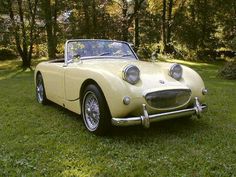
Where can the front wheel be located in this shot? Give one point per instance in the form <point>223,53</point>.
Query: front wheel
<point>96,114</point>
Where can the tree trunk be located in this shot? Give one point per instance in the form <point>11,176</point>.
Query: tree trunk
<point>127,19</point>
<point>169,47</point>
<point>125,31</point>
<point>124,27</point>
<point>55,27</point>
<point>164,25</point>
<point>22,23</point>
<point>169,22</point>
<point>26,63</point>
<point>33,10</point>
<point>136,33</point>
<point>24,43</point>
<point>94,16</point>
<point>51,43</point>
<point>136,27</point>
<point>193,19</point>
<point>204,24</point>
<point>86,18</point>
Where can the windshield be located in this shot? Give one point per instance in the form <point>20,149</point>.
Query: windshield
<point>87,49</point>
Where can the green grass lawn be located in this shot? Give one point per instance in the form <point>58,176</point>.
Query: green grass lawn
<point>38,140</point>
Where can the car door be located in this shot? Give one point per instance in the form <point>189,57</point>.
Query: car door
<point>73,81</point>
<point>54,82</point>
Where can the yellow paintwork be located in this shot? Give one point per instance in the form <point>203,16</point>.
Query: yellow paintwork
<point>63,83</point>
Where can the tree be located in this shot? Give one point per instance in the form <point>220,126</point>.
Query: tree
<point>138,6</point>
<point>169,23</point>
<point>168,20</point>
<point>23,27</point>
<point>50,10</point>
<point>86,18</point>
<point>129,12</point>
<point>164,24</point>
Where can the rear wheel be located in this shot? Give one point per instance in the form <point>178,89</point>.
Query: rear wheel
<point>96,114</point>
<point>40,90</point>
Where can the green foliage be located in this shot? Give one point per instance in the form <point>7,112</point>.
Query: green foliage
<point>196,28</point>
<point>229,70</point>
<point>145,50</point>
<point>7,54</point>
<point>40,50</point>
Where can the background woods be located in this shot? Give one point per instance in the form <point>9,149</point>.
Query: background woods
<point>190,29</point>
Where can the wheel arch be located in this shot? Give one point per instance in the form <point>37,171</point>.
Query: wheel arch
<point>83,87</point>
<point>36,75</point>
<point>37,72</point>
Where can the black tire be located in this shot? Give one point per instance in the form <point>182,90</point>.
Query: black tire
<point>40,90</point>
<point>95,111</point>
<point>187,117</point>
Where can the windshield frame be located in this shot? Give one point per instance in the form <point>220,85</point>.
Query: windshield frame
<point>67,61</point>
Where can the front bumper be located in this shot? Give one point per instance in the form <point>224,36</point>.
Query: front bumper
<point>146,119</point>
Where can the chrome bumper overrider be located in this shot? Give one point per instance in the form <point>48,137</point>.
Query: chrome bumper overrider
<point>146,119</point>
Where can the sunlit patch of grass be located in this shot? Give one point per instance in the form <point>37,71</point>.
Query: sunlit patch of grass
<point>11,68</point>
<point>10,64</point>
<point>13,64</point>
<point>38,60</point>
<point>190,63</point>
<point>48,140</point>
<point>10,74</point>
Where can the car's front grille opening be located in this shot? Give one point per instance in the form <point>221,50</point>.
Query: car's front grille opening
<point>168,99</point>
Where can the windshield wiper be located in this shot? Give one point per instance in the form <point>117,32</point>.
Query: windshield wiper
<point>105,53</point>
<point>126,55</point>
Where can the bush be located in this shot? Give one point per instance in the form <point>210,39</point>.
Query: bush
<point>229,70</point>
<point>7,54</point>
<point>145,51</point>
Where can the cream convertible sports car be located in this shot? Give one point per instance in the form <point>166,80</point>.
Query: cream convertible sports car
<point>105,82</point>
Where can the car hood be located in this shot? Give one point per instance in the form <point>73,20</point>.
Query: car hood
<point>153,76</point>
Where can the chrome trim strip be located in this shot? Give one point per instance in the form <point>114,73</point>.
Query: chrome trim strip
<point>146,119</point>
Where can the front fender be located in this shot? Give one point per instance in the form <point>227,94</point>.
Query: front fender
<point>194,81</point>
<point>114,89</point>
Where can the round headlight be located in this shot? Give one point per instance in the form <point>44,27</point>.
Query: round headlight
<point>131,74</point>
<point>176,71</point>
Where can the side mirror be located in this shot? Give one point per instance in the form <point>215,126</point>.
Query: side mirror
<point>131,45</point>
<point>154,56</point>
<point>76,57</point>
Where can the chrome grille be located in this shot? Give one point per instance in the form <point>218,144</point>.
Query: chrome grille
<point>168,99</point>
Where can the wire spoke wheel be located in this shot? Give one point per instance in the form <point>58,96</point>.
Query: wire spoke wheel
<point>95,112</point>
<point>91,111</point>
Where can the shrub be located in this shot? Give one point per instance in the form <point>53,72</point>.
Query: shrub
<point>39,50</point>
<point>229,70</point>
<point>6,54</point>
<point>145,51</point>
